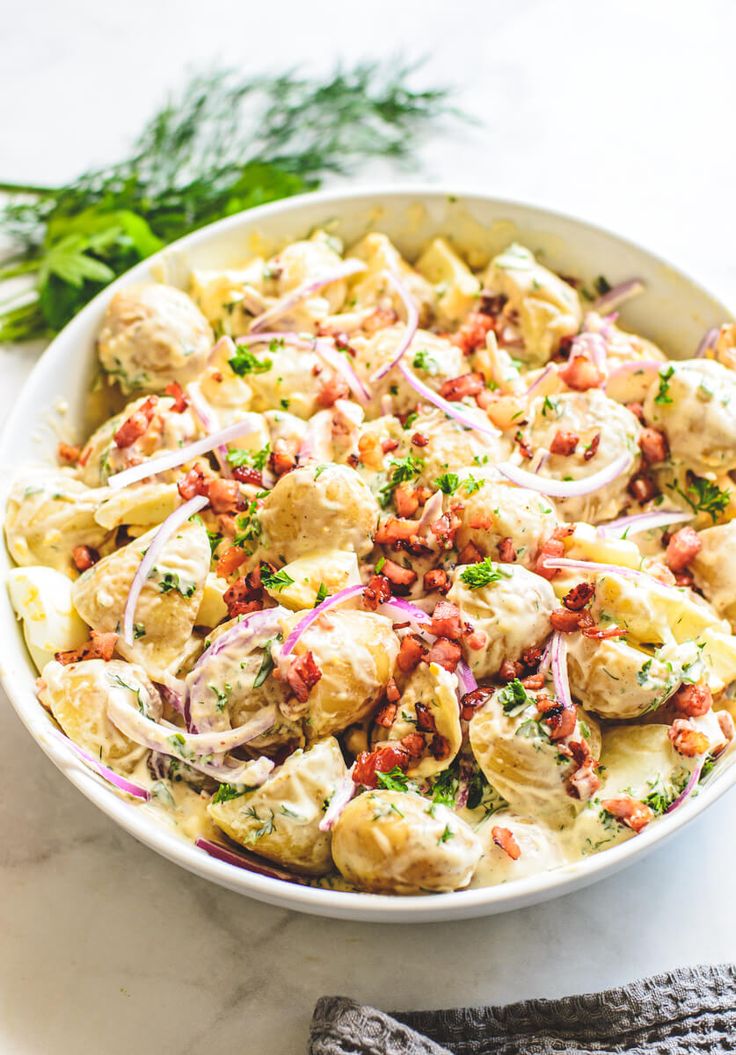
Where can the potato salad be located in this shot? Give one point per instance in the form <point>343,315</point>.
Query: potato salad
<point>389,576</point>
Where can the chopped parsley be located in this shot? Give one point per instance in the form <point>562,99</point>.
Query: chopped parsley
<point>550,406</point>
<point>643,673</point>
<point>513,698</point>
<point>171,581</point>
<point>255,459</point>
<point>447,834</point>
<point>214,538</point>
<point>448,483</point>
<point>410,419</point>
<point>379,565</point>
<point>222,695</point>
<point>245,362</point>
<point>703,496</point>
<point>423,360</point>
<point>470,485</point>
<point>318,471</point>
<point>266,666</point>
<point>444,789</point>
<point>322,595</point>
<point>403,469</point>
<point>394,780</point>
<point>249,526</point>
<point>483,574</point>
<point>663,394</point>
<point>139,631</point>
<point>267,826</point>
<point>225,792</point>
<point>275,580</point>
<point>602,285</point>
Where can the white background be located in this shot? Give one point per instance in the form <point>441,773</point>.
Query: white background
<point>621,113</point>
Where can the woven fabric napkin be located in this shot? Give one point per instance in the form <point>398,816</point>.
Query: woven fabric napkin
<point>690,1010</point>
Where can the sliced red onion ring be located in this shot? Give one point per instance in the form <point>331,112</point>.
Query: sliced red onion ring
<point>248,424</point>
<point>254,622</point>
<point>341,365</point>
<point>546,658</point>
<point>558,656</point>
<point>566,488</point>
<point>594,568</point>
<point>451,409</point>
<point>172,524</point>
<point>241,859</point>
<point>689,787</point>
<point>341,797</point>
<point>251,773</point>
<point>539,459</point>
<point>202,411</point>
<point>401,609</point>
<point>633,525</point>
<point>618,295</point>
<point>465,678</point>
<point>410,328</point>
<point>345,269</point>
<point>173,691</point>
<point>707,341</point>
<point>110,775</point>
<point>307,620</point>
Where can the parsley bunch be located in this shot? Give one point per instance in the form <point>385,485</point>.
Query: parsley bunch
<point>224,144</point>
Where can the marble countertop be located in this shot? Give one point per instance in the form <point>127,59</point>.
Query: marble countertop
<point>619,119</point>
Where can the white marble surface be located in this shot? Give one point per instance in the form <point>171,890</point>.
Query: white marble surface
<point>619,113</point>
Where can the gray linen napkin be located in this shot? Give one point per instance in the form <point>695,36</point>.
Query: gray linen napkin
<point>690,1010</point>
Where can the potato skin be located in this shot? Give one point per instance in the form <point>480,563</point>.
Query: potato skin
<point>393,842</point>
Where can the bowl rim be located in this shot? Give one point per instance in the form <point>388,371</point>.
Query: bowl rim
<point>315,900</point>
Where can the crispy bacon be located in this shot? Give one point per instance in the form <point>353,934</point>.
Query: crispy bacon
<point>472,334</point>
<point>381,760</point>
<point>653,446</point>
<point>419,439</point>
<point>406,501</point>
<point>693,700</point>
<point>68,453</point>
<point>584,782</point>
<point>176,392</point>
<point>506,551</point>
<point>413,744</point>
<point>637,409</point>
<point>446,653</point>
<point>682,547</point>
<point>303,675</point>
<point>133,427</point>
<point>531,656</point>
<point>246,474</point>
<point>446,527</point>
<point>559,719</point>
<point>378,591</point>
<point>281,461</point>
<point>551,548</point>
<point>230,561</point>
<point>564,442</point>
<point>446,621</point>
<point>634,814</point>
<point>398,576</point>
<point>439,747</point>
<point>509,670</point>
<point>686,739</point>
<point>457,388</point>
<point>99,646</point>
<point>436,579</point>
<point>225,496</point>
<point>642,488</point>
<point>193,483</point>
<point>394,530</point>
<point>386,715</point>
<point>525,449</point>
<point>333,389</point>
<point>244,596</point>
<point>392,691</point>
<point>600,633</point>
<point>84,557</point>
<point>389,445</point>
<point>471,701</point>
<point>581,374</point>
<point>504,839</point>
<point>592,449</point>
<point>411,651</point>
<point>425,719</point>
<point>579,596</point>
<point>564,620</point>
<point>469,554</point>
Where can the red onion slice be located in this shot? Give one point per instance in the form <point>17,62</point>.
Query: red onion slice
<point>121,783</point>
<point>566,488</point>
<point>249,424</point>
<point>345,269</point>
<point>241,859</point>
<point>306,621</point>
<point>410,328</point>
<point>451,409</point>
<point>707,341</point>
<point>594,568</point>
<point>633,525</point>
<point>558,656</point>
<point>202,411</point>
<point>341,797</point>
<point>689,787</point>
<point>618,295</point>
<point>465,678</point>
<point>172,524</point>
<point>401,610</point>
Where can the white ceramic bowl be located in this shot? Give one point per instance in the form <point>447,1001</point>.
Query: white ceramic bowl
<point>674,311</point>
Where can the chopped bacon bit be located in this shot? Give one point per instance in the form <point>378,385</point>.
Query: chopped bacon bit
<point>458,388</point>
<point>469,554</point>
<point>524,449</point>
<point>560,719</point>
<point>446,653</point>
<point>563,531</point>
<point>653,446</point>
<point>592,449</point>
<point>99,646</point>
<point>564,442</point>
<point>472,701</point>
<point>392,691</point>
<point>634,814</point>
<point>564,620</point>
<point>397,575</point>
<point>472,334</point>
<point>406,501</point>
<point>394,530</point>
<point>176,392</point>
<point>686,739</point>
<point>637,410</point>
<point>281,461</point>
<point>386,715</point>
<point>534,681</point>
<point>69,453</point>
<point>436,579</point>
<point>726,723</point>
<point>419,439</point>
<point>425,719</point>
<point>225,496</point>
<point>378,591</point>
<point>133,427</point>
<point>581,374</point>
<point>446,621</point>
<point>230,560</point>
<point>693,700</point>
<point>642,488</point>
<point>684,578</point>
<point>476,640</point>
<point>504,839</point>
<point>246,474</point>
<point>584,782</point>
<point>84,557</point>
<point>333,389</point>
<point>193,483</point>
<point>684,545</point>
<point>446,527</point>
<point>481,522</point>
<point>389,445</point>
<point>531,656</point>
<point>579,596</point>
<point>509,670</point>
<point>551,548</point>
<point>439,747</point>
<point>303,675</point>
<point>382,760</point>
<point>491,303</point>
<point>411,651</point>
<point>413,743</point>
<point>599,633</point>
<point>245,595</point>
<point>506,551</point>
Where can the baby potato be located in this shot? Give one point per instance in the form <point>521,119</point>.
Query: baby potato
<point>548,308</point>
<point>139,506</point>
<point>280,819</point>
<point>393,842</point>
<point>329,570</point>
<point>456,287</point>
<point>77,695</point>
<point>497,511</point>
<point>49,512</point>
<point>356,652</point>
<point>307,260</point>
<point>168,603</point>
<point>433,690</point>
<point>524,765</point>
<point>42,598</point>
<point>229,299</point>
<point>652,614</point>
<point>293,380</point>
<point>714,569</point>
<point>539,847</point>
<point>371,287</point>
<point>432,358</point>
<point>694,403</point>
<point>512,612</point>
<point>316,508</point>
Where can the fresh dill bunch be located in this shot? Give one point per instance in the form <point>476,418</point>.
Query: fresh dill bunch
<point>225,143</point>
